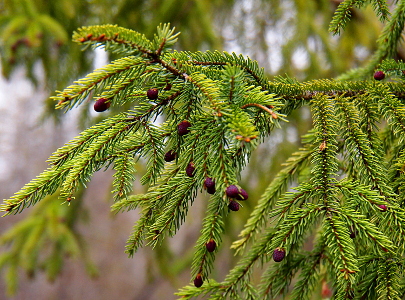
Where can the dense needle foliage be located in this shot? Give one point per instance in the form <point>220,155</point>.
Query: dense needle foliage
<point>199,115</point>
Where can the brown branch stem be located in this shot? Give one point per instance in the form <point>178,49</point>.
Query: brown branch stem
<point>265,108</point>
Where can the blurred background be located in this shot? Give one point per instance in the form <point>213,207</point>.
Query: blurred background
<point>58,252</point>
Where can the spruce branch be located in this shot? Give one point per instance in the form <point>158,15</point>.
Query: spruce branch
<point>387,44</point>
<point>397,175</point>
<point>290,229</point>
<point>266,202</point>
<point>310,274</point>
<point>78,144</point>
<point>363,158</point>
<point>113,38</point>
<point>360,197</point>
<point>344,12</point>
<point>130,203</point>
<point>367,276</point>
<point>139,230</point>
<point>89,161</point>
<point>239,275</point>
<point>213,109</point>
<point>392,68</point>
<point>119,69</point>
<point>393,226</point>
<point>388,283</point>
<point>175,208</point>
<point>324,159</point>
<point>209,61</point>
<point>153,146</point>
<point>369,119</point>
<point>342,15</point>
<point>391,109</point>
<point>277,278</point>
<point>190,291</point>
<point>124,176</point>
<point>44,184</point>
<point>337,237</point>
<point>212,228</point>
<point>368,228</point>
<point>290,200</point>
<point>341,250</point>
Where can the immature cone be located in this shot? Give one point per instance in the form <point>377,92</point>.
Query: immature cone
<point>352,234</point>
<point>211,245</point>
<point>182,128</point>
<point>190,170</point>
<point>170,156</point>
<point>233,191</point>
<point>209,185</point>
<point>152,94</point>
<point>278,254</point>
<point>198,281</point>
<point>101,104</point>
<point>383,207</point>
<point>379,75</point>
<point>233,205</point>
<point>243,195</point>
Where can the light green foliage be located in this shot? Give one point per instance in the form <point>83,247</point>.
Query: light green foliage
<point>343,12</point>
<point>387,42</point>
<point>42,241</point>
<point>340,192</point>
<point>34,31</point>
<point>270,196</point>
